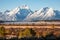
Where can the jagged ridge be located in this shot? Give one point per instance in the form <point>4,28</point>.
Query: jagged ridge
<point>24,13</point>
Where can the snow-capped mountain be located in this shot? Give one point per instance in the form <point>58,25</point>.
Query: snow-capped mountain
<point>44,14</point>
<point>18,14</point>
<point>25,14</point>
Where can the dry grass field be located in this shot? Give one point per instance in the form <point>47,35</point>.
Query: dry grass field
<point>40,28</point>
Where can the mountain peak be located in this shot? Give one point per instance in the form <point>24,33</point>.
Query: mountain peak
<point>46,8</point>
<point>24,7</point>
<point>23,13</point>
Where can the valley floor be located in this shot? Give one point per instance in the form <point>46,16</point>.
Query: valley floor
<point>30,29</point>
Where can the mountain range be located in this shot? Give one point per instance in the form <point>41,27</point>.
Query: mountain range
<point>25,14</point>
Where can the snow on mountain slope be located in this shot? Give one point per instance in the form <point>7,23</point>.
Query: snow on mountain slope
<point>42,14</point>
<point>7,11</point>
<point>14,11</point>
<point>49,14</point>
<point>24,14</point>
<point>18,14</point>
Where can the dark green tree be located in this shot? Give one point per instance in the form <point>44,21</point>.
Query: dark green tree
<point>32,32</point>
<point>2,31</point>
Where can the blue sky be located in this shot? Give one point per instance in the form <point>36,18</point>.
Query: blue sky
<point>33,4</point>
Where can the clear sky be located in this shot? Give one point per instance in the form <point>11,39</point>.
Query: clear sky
<point>33,4</point>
